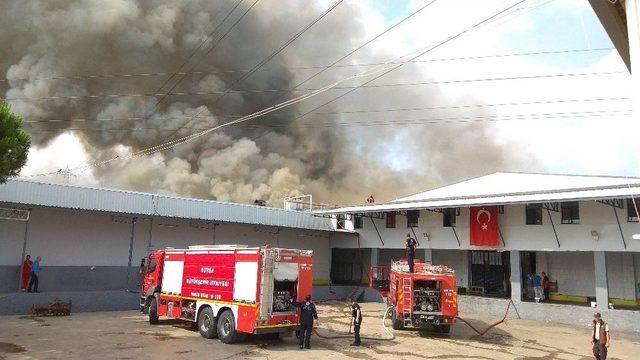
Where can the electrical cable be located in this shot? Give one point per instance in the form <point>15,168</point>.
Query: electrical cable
<point>538,102</point>
<point>418,83</point>
<point>384,326</point>
<point>380,69</point>
<point>261,63</point>
<point>193,53</point>
<point>419,52</point>
<point>295,68</point>
<point>365,44</point>
<point>366,123</point>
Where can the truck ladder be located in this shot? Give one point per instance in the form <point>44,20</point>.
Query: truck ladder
<point>407,301</point>
<point>266,287</point>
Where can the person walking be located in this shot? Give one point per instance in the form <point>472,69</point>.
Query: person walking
<point>35,273</point>
<point>308,313</point>
<point>545,286</point>
<point>537,288</point>
<point>26,273</point>
<point>600,338</point>
<point>410,246</point>
<point>356,320</point>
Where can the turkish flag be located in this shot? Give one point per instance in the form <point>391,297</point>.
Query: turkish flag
<point>483,223</point>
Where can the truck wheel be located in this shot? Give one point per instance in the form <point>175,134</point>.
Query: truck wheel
<point>207,324</point>
<point>227,328</point>
<point>153,311</point>
<point>397,323</point>
<point>444,329</point>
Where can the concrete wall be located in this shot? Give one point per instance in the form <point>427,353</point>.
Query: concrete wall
<point>518,236</point>
<point>620,320</point>
<point>90,250</point>
<point>573,270</point>
<point>458,261</point>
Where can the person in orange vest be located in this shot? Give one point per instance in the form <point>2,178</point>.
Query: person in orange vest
<point>26,273</point>
<point>370,199</point>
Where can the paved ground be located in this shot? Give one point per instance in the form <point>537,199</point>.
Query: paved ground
<point>127,335</point>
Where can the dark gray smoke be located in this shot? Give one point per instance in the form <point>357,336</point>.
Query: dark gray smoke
<point>268,158</point>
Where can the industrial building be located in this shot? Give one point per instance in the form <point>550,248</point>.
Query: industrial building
<point>93,239</point>
<point>578,229</point>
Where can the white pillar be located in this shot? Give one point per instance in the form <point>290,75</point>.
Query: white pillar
<point>628,277</point>
<point>428,256</point>
<point>516,276</point>
<point>374,257</point>
<point>602,286</point>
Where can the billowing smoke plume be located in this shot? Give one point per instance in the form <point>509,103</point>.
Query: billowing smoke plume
<point>267,158</point>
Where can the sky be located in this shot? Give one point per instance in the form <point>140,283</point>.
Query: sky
<point>567,143</point>
<point>603,145</point>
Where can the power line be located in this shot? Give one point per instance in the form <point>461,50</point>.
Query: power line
<point>420,53</point>
<point>214,46</point>
<point>356,111</point>
<point>367,123</point>
<point>378,70</point>
<point>311,67</point>
<point>193,53</point>
<point>365,44</point>
<point>368,85</point>
<point>264,61</point>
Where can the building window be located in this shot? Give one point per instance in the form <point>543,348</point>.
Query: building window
<point>357,222</point>
<point>449,217</point>
<point>632,210</point>
<point>570,212</point>
<point>534,214</point>
<point>412,218</point>
<point>391,220</point>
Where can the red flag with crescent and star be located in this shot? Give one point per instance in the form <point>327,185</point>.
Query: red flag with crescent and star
<point>483,224</point>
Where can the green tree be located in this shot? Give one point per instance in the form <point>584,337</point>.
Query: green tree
<point>14,143</point>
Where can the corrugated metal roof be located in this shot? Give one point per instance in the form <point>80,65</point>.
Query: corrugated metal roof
<point>510,188</point>
<point>32,193</point>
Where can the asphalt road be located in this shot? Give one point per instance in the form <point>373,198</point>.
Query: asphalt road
<point>127,335</point>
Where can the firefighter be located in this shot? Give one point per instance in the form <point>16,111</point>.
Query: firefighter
<point>410,245</point>
<point>307,315</point>
<point>356,320</point>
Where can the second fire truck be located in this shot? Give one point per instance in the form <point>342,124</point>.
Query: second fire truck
<point>426,298</point>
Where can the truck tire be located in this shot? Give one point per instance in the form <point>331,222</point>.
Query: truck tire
<point>396,323</point>
<point>153,311</point>
<point>443,329</point>
<point>227,328</point>
<point>207,324</point>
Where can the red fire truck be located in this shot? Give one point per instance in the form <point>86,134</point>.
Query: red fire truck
<point>227,290</point>
<point>426,298</point>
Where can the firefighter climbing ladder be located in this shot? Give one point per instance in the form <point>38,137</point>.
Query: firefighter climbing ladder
<point>407,304</point>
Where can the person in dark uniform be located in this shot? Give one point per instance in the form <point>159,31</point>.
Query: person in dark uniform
<point>356,318</point>
<point>307,315</point>
<point>410,245</point>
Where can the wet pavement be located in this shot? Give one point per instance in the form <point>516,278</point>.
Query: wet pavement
<point>127,335</point>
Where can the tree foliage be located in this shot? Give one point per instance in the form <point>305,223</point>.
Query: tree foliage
<point>14,143</point>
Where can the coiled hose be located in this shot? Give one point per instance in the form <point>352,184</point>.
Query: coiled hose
<point>384,326</point>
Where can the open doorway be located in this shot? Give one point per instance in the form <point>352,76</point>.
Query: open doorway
<point>527,270</point>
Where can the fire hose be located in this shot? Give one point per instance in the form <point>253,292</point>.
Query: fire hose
<point>481,333</point>
<point>392,336</point>
<point>384,326</point>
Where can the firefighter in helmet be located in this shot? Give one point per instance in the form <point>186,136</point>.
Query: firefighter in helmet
<point>307,315</point>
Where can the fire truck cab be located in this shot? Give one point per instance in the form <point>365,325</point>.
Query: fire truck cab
<point>228,291</point>
<point>426,298</point>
